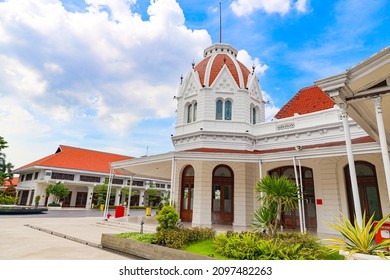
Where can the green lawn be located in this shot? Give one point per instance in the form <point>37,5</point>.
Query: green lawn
<point>204,248</point>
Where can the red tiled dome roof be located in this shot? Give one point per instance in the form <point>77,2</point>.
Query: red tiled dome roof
<point>216,57</point>
<point>307,100</point>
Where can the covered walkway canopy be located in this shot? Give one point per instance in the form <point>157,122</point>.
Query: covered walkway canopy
<point>363,93</point>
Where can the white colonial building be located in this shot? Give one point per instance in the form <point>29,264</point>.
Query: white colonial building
<point>81,171</point>
<point>223,146</point>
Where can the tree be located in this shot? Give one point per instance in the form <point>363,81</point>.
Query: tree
<point>59,191</point>
<point>101,193</point>
<point>152,193</point>
<point>6,174</point>
<point>276,195</point>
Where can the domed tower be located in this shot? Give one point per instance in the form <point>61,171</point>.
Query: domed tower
<point>218,103</point>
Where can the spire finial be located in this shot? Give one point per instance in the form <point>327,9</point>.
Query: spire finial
<point>220,23</point>
<point>193,64</point>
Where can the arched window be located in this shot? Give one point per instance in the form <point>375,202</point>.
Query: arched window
<point>219,105</point>
<point>189,113</point>
<point>195,109</point>
<point>254,115</point>
<point>228,110</point>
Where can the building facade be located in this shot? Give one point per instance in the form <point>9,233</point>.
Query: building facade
<point>82,171</point>
<point>223,146</point>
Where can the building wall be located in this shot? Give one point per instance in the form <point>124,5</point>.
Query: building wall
<point>330,185</point>
<point>245,178</point>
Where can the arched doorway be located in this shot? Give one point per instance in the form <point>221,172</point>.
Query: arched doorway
<point>222,208</point>
<point>368,190</point>
<point>290,218</point>
<point>187,194</point>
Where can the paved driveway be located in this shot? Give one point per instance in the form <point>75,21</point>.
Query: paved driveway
<point>37,237</point>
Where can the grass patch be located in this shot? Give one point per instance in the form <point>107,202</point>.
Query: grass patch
<point>205,248</point>
<point>142,237</point>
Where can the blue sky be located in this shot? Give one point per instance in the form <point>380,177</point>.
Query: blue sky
<point>101,74</point>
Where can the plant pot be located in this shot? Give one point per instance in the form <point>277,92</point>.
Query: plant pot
<point>359,256</point>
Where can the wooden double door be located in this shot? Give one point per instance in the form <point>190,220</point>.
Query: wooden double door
<point>222,208</point>
<point>290,218</point>
<point>222,205</point>
<point>187,194</point>
<point>368,190</point>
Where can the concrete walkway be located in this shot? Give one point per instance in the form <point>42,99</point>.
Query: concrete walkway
<point>68,235</point>
<point>56,238</point>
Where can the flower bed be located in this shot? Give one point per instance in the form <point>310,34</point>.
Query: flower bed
<point>146,250</point>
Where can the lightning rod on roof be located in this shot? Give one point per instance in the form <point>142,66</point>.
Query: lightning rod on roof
<point>220,23</point>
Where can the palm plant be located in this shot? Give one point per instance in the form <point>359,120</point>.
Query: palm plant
<point>276,194</point>
<point>359,239</point>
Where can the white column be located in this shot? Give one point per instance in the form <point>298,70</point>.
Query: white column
<point>261,173</point>
<point>383,141</point>
<point>88,205</point>
<point>130,190</point>
<point>29,197</point>
<point>107,204</point>
<point>141,197</point>
<point>117,196</point>
<point>173,181</point>
<point>351,163</point>
<point>299,198</point>
<point>302,196</point>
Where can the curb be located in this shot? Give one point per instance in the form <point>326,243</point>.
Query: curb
<point>88,243</point>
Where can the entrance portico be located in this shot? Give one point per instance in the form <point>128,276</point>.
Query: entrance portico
<point>364,92</point>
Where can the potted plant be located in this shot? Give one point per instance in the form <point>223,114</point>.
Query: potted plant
<point>36,200</point>
<point>359,241</point>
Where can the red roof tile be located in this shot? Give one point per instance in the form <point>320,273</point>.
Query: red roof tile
<point>307,100</point>
<point>219,61</point>
<point>15,181</point>
<point>78,159</point>
<point>201,68</point>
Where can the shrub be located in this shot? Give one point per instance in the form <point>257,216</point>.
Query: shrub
<point>255,246</point>
<point>179,237</point>
<point>10,191</point>
<point>142,237</point>
<point>167,218</point>
<point>359,238</point>
<point>54,204</point>
<point>7,199</point>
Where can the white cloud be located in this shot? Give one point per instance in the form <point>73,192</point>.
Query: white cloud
<point>20,79</point>
<point>249,62</point>
<point>282,7</point>
<point>92,73</point>
<point>301,6</point>
<point>270,108</point>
